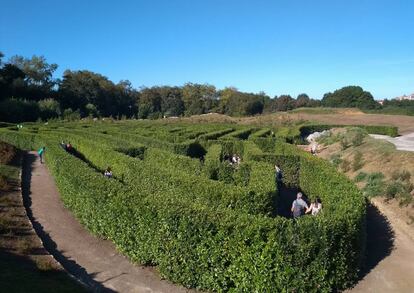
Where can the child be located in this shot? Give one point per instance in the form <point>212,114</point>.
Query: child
<point>41,152</point>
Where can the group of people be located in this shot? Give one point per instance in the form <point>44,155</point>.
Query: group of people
<point>235,159</point>
<point>299,205</point>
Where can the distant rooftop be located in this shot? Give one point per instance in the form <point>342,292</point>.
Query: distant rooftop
<point>406,97</point>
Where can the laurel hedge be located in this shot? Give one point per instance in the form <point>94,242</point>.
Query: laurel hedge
<point>207,234</point>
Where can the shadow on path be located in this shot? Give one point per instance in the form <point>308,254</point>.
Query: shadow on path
<point>380,239</point>
<point>71,266</point>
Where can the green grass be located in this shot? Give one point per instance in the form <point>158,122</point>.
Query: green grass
<point>320,110</point>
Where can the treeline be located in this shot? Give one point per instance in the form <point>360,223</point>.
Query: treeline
<point>29,91</point>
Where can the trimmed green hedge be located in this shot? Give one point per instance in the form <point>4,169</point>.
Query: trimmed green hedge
<point>207,234</point>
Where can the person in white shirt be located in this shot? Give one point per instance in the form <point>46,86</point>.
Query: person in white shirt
<point>108,173</point>
<point>315,207</point>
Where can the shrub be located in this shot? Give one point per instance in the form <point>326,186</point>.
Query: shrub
<point>358,162</point>
<point>203,234</point>
<point>344,143</point>
<point>361,176</point>
<point>358,138</point>
<point>70,115</point>
<point>375,185</point>
<point>336,160</point>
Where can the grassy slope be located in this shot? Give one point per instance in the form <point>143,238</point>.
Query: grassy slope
<point>378,156</point>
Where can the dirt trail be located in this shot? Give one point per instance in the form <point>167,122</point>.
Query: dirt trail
<point>390,255</point>
<point>92,260</point>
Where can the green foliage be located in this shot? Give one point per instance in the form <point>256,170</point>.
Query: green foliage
<point>49,108</point>
<point>205,233</point>
<point>361,176</point>
<point>71,115</point>
<point>344,143</point>
<point>358,138</point>
<point>358,161</point>
<point>350,97</point>
<point>371,129</point>
<point>336,160</point>
<point>16,111</point>
<point>375,185</point>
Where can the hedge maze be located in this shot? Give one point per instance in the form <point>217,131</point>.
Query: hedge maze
<point>175,203</point>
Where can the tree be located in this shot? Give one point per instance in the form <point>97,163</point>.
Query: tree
<point>350,96</point>
<point>38,76</point>
<point>285,103</point>
<point>302,100</point>
<point>12,83</point>
<point>149,103</point>
<point>80,88</point>
<point>171,101</point>
<point>198,98</point>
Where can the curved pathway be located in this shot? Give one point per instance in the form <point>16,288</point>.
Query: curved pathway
<point>390,254</point>
<point>92,260</point>
<point>402,143</point>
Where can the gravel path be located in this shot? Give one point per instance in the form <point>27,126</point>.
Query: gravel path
<point>402,143</point>
<point>92,260</point>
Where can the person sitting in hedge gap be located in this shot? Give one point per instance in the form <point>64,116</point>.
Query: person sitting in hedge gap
<point>108,173</point>
<point>69,147</point>
<point>315,207</point>
<point>299,206</point>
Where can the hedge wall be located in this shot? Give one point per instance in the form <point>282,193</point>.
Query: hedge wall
<point>196,236</point>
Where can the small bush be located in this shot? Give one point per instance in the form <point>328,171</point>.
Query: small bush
<point>360,177</point>
<point>393,189</point>
<point>358,162</point>
<point>375,185</point>
<point>344,143</point>
<point>336,160</point>
<point>358,138</point>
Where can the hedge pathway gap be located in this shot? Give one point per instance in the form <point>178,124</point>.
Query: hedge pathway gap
<point>92,260</point>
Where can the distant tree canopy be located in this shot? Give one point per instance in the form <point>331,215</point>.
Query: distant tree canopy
<point>29,91</point>
<point>350,97</point>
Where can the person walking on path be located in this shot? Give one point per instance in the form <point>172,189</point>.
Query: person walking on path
<point>41,151</point>
<point>299,206</point>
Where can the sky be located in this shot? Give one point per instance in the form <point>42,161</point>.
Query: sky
<point>279,47</point>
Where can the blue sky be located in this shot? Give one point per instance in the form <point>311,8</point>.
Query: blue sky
<point>279,47</point>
